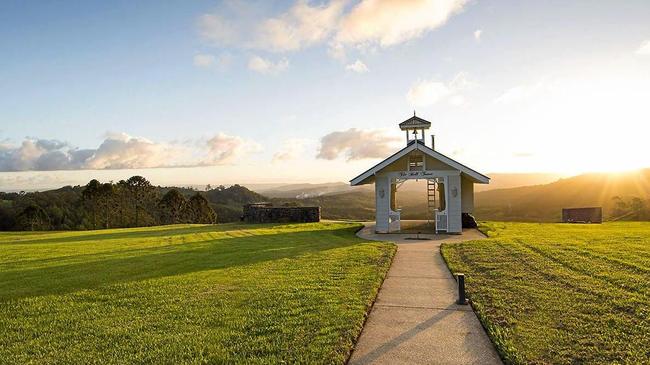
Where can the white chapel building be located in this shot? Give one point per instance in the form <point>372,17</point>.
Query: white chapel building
<point>450,184</point>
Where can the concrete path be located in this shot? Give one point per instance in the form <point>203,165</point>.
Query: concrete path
<point>415,319</point>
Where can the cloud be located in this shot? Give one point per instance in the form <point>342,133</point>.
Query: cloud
<point>215,29</point>
<point>477,34</point>
<point>392,21</point>
<point>426,93</point>
<point>116,152</point>
<point>520,93</point>
<point>305,24</point>
<point>224,149</point>
<point>336,51</point>
<point>429,92</point>
<point>210,61</point>
<point>291,149</point>
<point>204,60</point>
<point>121,151</point>
<point>358,67</point>
<point>302,25</point>
<point>357,144</point>
<point>644,48</point>
<point>265,66</point>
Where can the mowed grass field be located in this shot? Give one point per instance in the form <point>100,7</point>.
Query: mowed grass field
<point>187,294</point>
<point>560,293</point>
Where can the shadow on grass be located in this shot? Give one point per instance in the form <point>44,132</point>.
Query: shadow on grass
<point>150,263</point>
<point>131,233</point>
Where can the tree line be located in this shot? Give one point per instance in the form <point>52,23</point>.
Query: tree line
<point>630,208</point>
<point>134,202</point>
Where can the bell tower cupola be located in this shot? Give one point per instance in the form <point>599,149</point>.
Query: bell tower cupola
<point>414,128</point>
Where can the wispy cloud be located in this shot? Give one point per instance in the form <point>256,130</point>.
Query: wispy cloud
<point>429,92</point>
<point>224,149</point>
<point>291,149</point>
<point>204,60</point>
<point>477,35</point>
<point>644,48</point>
<point>334,23</point>
<point>358,67</point>
<point>520,93</point>
<point>266,66</point>
<point>392,22</point>
<point>301,26</point>
<point>357,144</point>
<point>217,30</point>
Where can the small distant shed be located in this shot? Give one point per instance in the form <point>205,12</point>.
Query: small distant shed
<point>267,213</point>
<point>582,215</point>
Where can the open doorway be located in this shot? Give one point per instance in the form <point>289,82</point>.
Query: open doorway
<point>411,199</point>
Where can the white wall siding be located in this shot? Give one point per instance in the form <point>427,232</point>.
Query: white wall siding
<point>382,204</point>
<point>454,205</point>
<point>467,187</point>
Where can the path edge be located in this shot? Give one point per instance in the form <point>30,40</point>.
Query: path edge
<point>479,315</point>
<point>372,304</point>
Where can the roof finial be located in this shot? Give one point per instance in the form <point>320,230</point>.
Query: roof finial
<point>413,112</point>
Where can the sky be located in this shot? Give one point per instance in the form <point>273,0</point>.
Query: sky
<point>312,91</point>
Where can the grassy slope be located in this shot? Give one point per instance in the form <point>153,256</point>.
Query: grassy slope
<point>553,293</point>
<point>187,294</point>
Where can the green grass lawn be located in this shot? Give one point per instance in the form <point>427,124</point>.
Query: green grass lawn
<point>560,293</point>
<point>187,294</point>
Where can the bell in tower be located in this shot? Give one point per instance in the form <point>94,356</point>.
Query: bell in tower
<point>414,128</point>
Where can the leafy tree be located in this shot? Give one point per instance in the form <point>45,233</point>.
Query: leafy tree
<point>122,203</point>
<point>106,197</point>
<point>171,206</point>
<point>638,207</point>
<point>91,195</point>
<point>141,192</point>
<point>33,216</point>
<point>198,210</point>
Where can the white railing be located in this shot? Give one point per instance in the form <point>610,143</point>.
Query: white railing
<point>394,220</point>
<point>441,221</point>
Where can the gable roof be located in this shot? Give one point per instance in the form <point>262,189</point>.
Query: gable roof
<point>474,175</point>
<point>414,122</point>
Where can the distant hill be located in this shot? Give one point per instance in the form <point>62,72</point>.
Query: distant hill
<point>545,202</point>
<point>542,202</point>
<point>505,181</point>
<point>228,202</point>
<point>303,191</point>
<point>622,196</point>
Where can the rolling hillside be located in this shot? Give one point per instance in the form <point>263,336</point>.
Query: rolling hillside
<point>544,202</point>
<point>538,203</point>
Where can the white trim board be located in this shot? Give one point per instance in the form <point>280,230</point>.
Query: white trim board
<point>476,176</point>
<point>422,175</point>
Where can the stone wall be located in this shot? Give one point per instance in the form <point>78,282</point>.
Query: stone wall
<point>267,213</point>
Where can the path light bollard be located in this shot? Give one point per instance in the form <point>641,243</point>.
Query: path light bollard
<point>461,288</point>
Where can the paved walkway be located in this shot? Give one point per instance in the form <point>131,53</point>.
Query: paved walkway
<point>415,319</point>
